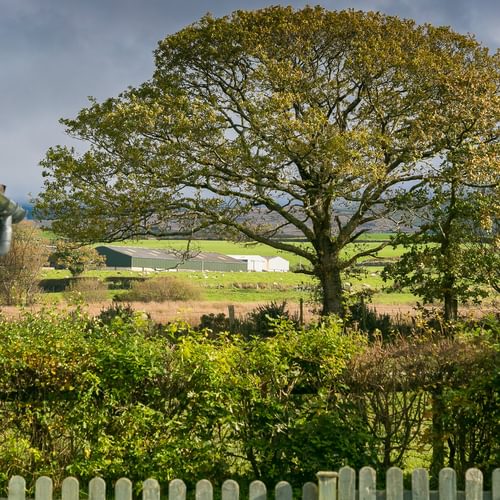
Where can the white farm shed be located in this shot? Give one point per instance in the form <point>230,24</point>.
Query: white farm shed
<point>278,264</point>
<point>253,262</point>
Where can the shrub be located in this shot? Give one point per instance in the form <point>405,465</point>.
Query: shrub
<point>54,284</point>
<point>261,321</point>
<point>75,258</point>
<point>369,320</point>
<point>122,282</point>
<point>215,322</point>
<point>123,311</point>
<point>431,391</point>
<point>159,290</point>
<point>127,399</point>
<point>84,383</point>
<point>20,268</point>
<point>86,289</point>
<point>277,400</point>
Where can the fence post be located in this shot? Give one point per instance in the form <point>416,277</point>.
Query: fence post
<point>283,491</point>
<point>473,484</point>
<point>70,489</point>
<point>495,485</point>
<point>301,311</point>
<point>204,490</point>
<point>347,483</point>
<point>230,312</point>
<point>43,488</point>
<point>230,490</point>
<point>367,484</point>
<point>123,489</point>
<point>447,484</point>
<point>97,489</point>
<point>17,488</point>
<point>327,485</point>
<point>420,485</point>
<point>150,490</point>
<point>257,491</point>
<point>394,484</point>
<point>310,491</point>
<point>363,313</point>
<point>177,490</point>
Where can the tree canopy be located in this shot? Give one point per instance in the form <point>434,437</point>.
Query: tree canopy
<point>455,255</point>
<point>76,259</point>
<point>282,112</point>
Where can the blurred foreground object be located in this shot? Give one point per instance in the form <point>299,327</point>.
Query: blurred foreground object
<point>10,213</point>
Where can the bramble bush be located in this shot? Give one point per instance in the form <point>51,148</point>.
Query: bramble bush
<point>260,322</point>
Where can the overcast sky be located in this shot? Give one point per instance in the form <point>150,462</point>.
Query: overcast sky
<point>55,53</point>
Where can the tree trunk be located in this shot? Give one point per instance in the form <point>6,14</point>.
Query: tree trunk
<point>438,436</point>
<point>450,302</point>
<point>449,281</point>
<point>450,307</point>
<point>331,284</point>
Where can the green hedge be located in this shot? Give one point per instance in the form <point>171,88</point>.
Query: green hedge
<point>121,396</point>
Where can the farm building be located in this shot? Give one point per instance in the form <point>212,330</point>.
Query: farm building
<point>252,262</point>
<point>142,259</point>
<point>258,263</point>
<point>277,264</point>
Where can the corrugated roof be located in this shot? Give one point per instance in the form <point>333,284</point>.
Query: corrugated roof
<point>147,253</point>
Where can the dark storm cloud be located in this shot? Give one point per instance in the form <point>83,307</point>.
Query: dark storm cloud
<point>477,17</point>
<point>55,53</point>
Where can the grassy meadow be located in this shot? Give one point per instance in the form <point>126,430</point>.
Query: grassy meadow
<point>245,290</point>
<point>251,287</point>
<point>230,247</point>
<point>239,287</point>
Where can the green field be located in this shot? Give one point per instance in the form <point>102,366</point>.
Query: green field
<point>262,287</point>
<point>229,247</point>
<point>252,286</point>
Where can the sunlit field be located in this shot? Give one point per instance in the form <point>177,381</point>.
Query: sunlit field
<point>262,287</point>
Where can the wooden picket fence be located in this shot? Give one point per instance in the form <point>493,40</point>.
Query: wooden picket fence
<point>330,486</point>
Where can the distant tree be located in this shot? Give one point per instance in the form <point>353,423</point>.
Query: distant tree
<point>282,112</point>
<point>20,267</point>
<point>76,259</point>
<point>455,254</point>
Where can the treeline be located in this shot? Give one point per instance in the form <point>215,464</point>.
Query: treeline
<point>119,396</point>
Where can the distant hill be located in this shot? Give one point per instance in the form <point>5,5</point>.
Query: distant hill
<point>344,212</point>
<point>29,210</point>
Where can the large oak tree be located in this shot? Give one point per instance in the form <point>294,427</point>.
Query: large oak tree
<point>282,112</point>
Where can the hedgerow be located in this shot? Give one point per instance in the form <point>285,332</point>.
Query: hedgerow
<point>119,396</point>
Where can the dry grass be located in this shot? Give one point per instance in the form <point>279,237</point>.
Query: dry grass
<point>163,312</point>
<point>191,311</point>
